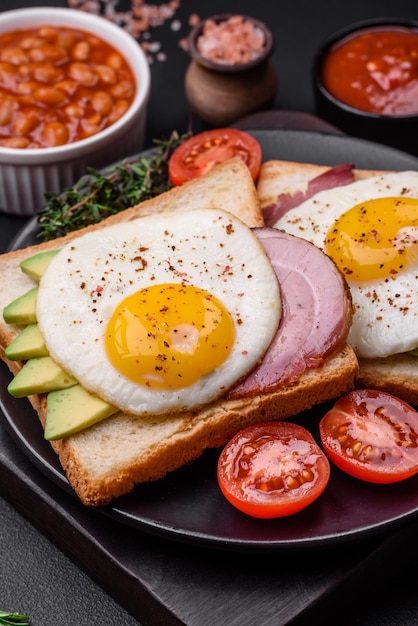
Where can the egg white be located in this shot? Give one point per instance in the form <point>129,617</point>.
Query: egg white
<point>90,276</point>
<point>385,320</point>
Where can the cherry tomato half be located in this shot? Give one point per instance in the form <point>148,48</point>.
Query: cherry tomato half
<point>272,469</point>
<point>198,154</point>
<point>372,435</point>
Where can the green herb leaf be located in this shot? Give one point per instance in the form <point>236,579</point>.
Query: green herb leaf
<point>10,619</point>
<point>95,195</point>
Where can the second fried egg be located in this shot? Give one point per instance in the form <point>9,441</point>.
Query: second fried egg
<point>370,229</point>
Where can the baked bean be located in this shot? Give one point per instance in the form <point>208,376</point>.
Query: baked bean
<point>27,87</point>
<point>83,74</point>
<point>24,122</point>
<point>7,74</point>
<point>91,124</point>
<point>81,51</point>
<point>115,61</point>
<point>102,102</point>
<point>106,74</point>
<point>74,110</point>
<point>55,134</point>
<point>49,95</point>
<point>66,39</point>
<point>45,73</point>
<point>123,89</point>
<point>48,32</point>
<point>26,71</point>
<point>8,106</point>
<point>48,53</point>
<point>59,85</point>
<point>119,109</point>
<point>13,55</point>
<point>94,41</point>
<point>15,142</point>
<point>31,42</point>
<point>67,85</point>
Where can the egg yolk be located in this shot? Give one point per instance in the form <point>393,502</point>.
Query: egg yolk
<point>375,239</point>
<point>169,336</point>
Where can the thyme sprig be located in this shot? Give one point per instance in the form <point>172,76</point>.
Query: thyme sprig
<point>13,619</point>
<point>97,195</point>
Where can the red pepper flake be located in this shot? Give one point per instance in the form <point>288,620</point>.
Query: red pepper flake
<point>98,291</point>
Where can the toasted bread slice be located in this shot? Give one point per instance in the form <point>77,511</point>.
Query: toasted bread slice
<point>107,459</point>
<point>288,177</point>
<point>396,374</point>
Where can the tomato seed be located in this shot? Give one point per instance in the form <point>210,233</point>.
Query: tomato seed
<point>356,447</point>
<point>307,475</point>
<point>292,482</point>
<point>367,451</point>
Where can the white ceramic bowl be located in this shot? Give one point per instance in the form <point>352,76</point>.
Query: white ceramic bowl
<point>27,174</point>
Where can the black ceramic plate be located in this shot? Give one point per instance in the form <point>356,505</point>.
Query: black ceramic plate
<point>187,505</point>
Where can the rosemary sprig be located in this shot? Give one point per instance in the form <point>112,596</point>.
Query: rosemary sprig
<point>12,619</point>
<point>97,195</point>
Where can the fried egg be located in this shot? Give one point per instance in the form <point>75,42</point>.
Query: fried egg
<point>161,313</point>
<point>370,229</point>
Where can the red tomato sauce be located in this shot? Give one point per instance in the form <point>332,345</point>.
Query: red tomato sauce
<point>59,85</point>
<point>375,70</point>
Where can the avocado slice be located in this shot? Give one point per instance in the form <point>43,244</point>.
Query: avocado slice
<point>39,375</point>
<point>22,311</point>
<point>28,344</point>
<point>34,266</point>
<point>74,409</point>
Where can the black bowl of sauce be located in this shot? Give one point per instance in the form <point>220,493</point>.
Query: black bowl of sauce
<point>366,81</point>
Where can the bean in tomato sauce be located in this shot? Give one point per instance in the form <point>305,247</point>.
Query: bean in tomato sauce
<point>59,85</point>
<point>375,70</point>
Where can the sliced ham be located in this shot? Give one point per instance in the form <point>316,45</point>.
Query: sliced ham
<point>334,177</point>
<point>316,312</point>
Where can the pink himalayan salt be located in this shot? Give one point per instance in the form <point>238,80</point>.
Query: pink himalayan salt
<point>233,41</point>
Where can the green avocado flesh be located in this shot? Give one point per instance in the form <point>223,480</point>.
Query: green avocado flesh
<point>39,375</point>
<point>28,344</point>
<point>22,311</point>
<point>35,265</point>
<point>71,410</point>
